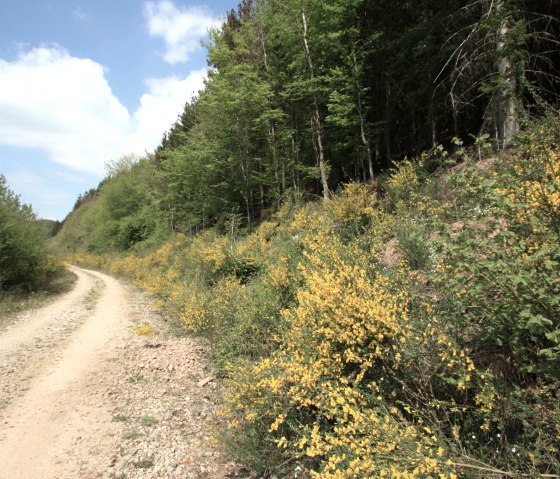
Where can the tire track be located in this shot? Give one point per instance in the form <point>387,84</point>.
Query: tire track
<point>35,337</point>
<point>39,426</point>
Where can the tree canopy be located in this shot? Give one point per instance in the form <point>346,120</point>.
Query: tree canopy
<point>23,259</point>
<point>303,96</point>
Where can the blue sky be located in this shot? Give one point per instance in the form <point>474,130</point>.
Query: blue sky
<point>83,83</point>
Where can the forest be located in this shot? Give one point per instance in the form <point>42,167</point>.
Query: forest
<point>361,212</point>
<point>305,96</point>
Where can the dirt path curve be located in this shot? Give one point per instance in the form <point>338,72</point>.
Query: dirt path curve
<point>81,408</point>
<point>24,330</point>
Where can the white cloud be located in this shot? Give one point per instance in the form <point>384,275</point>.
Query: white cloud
<point>55,102</point>
<point>180,28</point>
<point>64,106</point>
<point>160,107</point>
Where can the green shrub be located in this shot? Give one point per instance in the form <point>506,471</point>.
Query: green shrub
<point>414,242</point>
<point>24,263</point>
<point>498,288</point>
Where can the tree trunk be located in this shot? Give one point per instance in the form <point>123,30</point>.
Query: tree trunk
<point>275,162</point>
<point>294,165</point>
<point>363,135</point>
<point>506,108</point>
<point>317,125</point>
<point>388,151</point>
<point>247,193</point>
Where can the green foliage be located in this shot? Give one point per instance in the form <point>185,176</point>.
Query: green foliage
<point>367,336</point>
<point>368,85</point>
<point>497,284</point>
<point>414,242</point>
<point>126,210</point>
<point>122,214</point>
<point>24,263</point>
<point>404,329</point>
<point>505,259</point>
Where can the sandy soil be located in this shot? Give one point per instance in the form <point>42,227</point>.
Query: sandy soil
<point>83,396</point>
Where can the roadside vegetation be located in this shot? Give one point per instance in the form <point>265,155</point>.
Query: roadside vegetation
<point>28,274</point>
<point>406,331</point>
<point>14,301</point>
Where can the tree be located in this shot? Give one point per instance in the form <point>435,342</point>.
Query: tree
<point>127,212</point>
<point>22,255</point>
<point>307,94</point>
<point>316,118</point>
<point>498,51</point>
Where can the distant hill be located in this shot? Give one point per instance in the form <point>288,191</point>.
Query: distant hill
<point>49,228</point>
<point>70,235</point>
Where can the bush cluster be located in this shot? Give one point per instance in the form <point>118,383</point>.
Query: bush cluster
<point>24,263</point>
<point>413,335</point>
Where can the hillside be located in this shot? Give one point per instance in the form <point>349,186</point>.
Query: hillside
<point>406,331</point>
<point>75,230</point>
<point>361,212</point>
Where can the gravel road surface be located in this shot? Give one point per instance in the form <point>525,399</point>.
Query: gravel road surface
<point>84,395</point>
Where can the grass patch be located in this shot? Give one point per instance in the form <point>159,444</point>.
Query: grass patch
<point>137,379</point>
<point>144,463</point>
<point>120,418</point>
<point>92,296</point>
<point>148,421</point>
<point>131,435</point>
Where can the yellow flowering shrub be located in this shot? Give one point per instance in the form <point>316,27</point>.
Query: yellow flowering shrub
<point>145,329</point>
<point>352,208</point>
<point>280,273</point>
<point>333,393</point>
<point>537,189</point>
<point>209,249</point>
<point>193,309</point>
<point>364,337</point>
<point>403,185</point>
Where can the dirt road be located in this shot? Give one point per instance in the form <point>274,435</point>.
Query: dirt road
<point>83,396</point>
